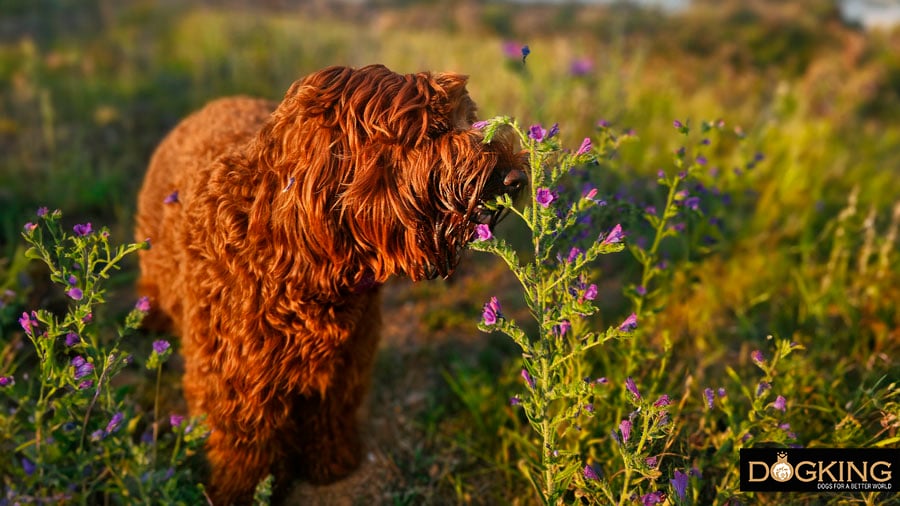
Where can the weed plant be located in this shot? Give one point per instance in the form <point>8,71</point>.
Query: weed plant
<point>71,434</point>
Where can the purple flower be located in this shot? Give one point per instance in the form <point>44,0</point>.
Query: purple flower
<point>629,384</point>
<point>581,67</point>
<point>780,403</point>
<point>528,379</point>
<point>28,466</point>
<point>561,329</point>
<point>625,427</point>
<point>651,461</point>
<point>160,346</point>
<point>679,483</point>
<point>590,473</point>
<point>701,160</point>
<point>97,435</point>
<point>629,324</point>
<point>653,498</point>
<point>585,147</point>
<point>574,253</point>
<point>28,322</point>
<point>614,236</point>
<point>762,387</point>
<point>525,52</point>
<point>29,227</point>
<point>663,401</point>
<point>554,130</point>
<point>72,339</point>
<point>602,123</point>
<point>537,133</point>
<point>82,230</point>
<point>483,232</point>
<point>143,304</point>
<point>72,280</point>
<point>515,401</point>
<point>6,381</point>
<point>87,318</point>
<point>692,203</point>
<point>758,357</point>
<point>545,197</point>
<point>491,311</point>
<point>114,422</point>
<point>85,384</point>
<point>75,293</point>
<point>640,290</point>
<point>175,420</point>
<point>478,125</point>
<point>512,49</point>
<point>42,211</point>
<point>590,293</point>
<point>82,367</point>
<point>589,408</point>
<point>710,397</point>
<point>722,393</point>
<point>171,198</point>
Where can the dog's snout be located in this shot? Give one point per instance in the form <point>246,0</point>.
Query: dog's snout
<point>515,178</point>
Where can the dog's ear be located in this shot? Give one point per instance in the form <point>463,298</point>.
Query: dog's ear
<point>451,103</point>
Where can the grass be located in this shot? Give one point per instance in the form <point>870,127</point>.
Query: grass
<point>805,246</point>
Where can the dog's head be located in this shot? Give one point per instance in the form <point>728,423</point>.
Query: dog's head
<point>385,172</point>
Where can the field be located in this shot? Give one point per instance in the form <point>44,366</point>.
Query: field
<point>768,303</point>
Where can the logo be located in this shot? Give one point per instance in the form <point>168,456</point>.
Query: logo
<point>782,471</point>
<point>820,469</point>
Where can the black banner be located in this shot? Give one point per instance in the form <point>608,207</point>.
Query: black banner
<point>820,469</point>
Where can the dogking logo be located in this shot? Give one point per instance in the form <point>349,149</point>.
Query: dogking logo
<point>781,470</point>
<point>819,469</point>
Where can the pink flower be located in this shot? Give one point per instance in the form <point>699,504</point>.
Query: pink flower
<point>528,379</point>
<point>614,236</point>
<point>625,427</point>
<point>82,230</point>
<point>143,304</point>
<point>780,403</point>
<point>585,146</point>
<point>545,197</point>
<point>629,324</point>
<point>483,232</point>
<point>631,387</point>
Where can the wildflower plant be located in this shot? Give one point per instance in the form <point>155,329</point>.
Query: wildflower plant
<point>559,394</point>
<point>71,434</point>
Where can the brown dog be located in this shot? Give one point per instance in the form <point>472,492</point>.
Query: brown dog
<point>271,233</point>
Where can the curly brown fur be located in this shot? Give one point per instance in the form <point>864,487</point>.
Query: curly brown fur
<point>269,260</point>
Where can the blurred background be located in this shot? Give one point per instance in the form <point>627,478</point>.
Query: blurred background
<point>805,242</point>
<point>88,87</point>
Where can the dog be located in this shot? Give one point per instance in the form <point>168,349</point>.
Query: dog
<point>273,227</point>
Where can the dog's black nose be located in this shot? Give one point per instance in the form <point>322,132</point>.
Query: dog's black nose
<point>515,178</point>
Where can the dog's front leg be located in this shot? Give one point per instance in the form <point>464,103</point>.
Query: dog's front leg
<point>328,445</point>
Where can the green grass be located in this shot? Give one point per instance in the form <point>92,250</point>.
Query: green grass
<point>83,104</point>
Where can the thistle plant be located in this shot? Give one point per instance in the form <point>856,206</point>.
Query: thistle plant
<point>559,391</point>
<point>70,434</point>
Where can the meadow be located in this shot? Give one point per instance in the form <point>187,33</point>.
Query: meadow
<point>748,151</point>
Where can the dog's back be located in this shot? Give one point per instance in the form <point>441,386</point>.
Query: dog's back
<point>179,164</point>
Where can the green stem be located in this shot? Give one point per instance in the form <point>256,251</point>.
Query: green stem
<point>156,413</point>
